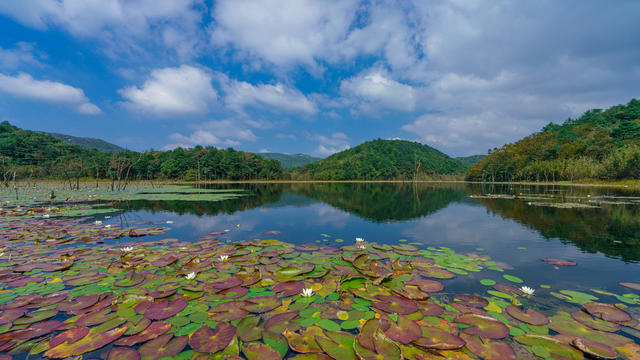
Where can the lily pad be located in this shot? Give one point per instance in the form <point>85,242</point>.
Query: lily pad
<point>70,336</point>
<point>256,351</point>
<point>152,331</point>
<point>248,329</point>
<point>161,347</point>
<point>395,304</point>
<point>530,316</point>
<point>434,338</point>
<point>165,309</point>
<point>483,325</point>
<point>338,345</point>
<point>279,322</point>
<point>404,331</point>
<point>606,312</point>
<point>261,304</point>
<point>118,353</point>
<point>288,288</point>
<point>37,329</point>
<point>551,345</point>
<point>594,348</point>
<point>594,323</point>
<point>206,340</point>
<point>384,348</point>
<point>92,341</point>
<point>471,300</point>
<point>305,342</point>
<point>631,285</point>
<point>488,349</point>
<point>426,285</point>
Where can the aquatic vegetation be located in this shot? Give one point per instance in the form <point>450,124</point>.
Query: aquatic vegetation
<point>70,290</point>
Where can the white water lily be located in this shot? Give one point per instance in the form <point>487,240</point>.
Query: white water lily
<point>190,276</point>
<point>306,292</point>
<point>107,226</point>
<point>98,222</point>
<point>527,290</point>
<point>362,246</point>
<point>46,216</point>
<point>359,240</point>
<point>1,254</point>
<point>226,230</point>
<point>169,222</point>
<point>127,249</point>
<point>224,257</point>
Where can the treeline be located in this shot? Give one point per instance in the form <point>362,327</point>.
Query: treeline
<point>599,145</point>
<point>383,160</point>
<point>28,154</point>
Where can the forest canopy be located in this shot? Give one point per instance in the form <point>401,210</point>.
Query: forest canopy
<point>598,145</point>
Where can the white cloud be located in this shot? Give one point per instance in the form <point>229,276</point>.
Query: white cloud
<point>283,32</point>
<point>376,89</point>
<point>173,91</point>
<point>120,24</point>
<point>216,132</point>
<point>22,54</point>
<point>331,144</point>
<point>25,86</point>
<point>240,94</point>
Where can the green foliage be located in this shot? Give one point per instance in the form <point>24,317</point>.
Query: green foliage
<point>382,159</point>
<point>289,162</point>
<point>88,143</point>
<point>33,154</point>
<point>471,160</point>
<point>598,145</point>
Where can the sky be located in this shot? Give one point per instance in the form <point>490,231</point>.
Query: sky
<point>313,76</point>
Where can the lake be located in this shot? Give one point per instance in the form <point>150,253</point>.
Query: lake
<point>468,247</point>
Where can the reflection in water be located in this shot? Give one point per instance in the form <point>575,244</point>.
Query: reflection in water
<point>613,230</point>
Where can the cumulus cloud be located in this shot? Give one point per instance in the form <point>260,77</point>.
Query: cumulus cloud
<point>25,86</point>
<point>240,94</point>
<point>376,89</point>
<point>215,132</point>
<point>282,32</point>
<point>121,24</point>
<point>172,91</point>
<point>331,144</point>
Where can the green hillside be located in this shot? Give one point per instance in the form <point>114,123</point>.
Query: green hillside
<point>471,160</point>
<point>289,162</point>
<point>31,154</point>
<point>88,143</point>
<point>598,145</point>
<point>382,159</point>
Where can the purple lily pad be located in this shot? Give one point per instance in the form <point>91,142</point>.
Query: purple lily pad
<point>288,288</point>
<point>472,300</point>
<point>559,262</point>
<point>596,349</point>
<point>530,316</point>
<point>80,302</point>
<point>161,347</point>
<point>261,304</point>
<point>10,315</point>
<point>123,354</point>
<point>395,304</point>
<point>594,323</point>
<point>154,330</point>
<point>206,340</point>
<point>483,326</point>
<point>404,331</point>
<point>436,272</point>
<point>227,283</point>
<point>434,338</point>
<point>426,285</point>
<point>488,349</point>
<point>70,336</point>
<point>606,312</point>
<point>256,351</point>
<point>165,309</point>
<point>92,341</point>
<point>508,289</point>
<point>630,285</point>
<point>228,311</point>
<point>38,329</point>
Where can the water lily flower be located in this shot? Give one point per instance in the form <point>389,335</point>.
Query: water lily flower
<point>226,230</point>
<point>127,249</point>
<point>362,246</point>
<point>107,217</point>
<point>359,240</point>
<point>224,257</point>
<point>46,216</point>
<point>306,292</point>
<point>190,276</point>
<point>1,253</point>
<point>527,290</point>
<point>169,222</point>
<point>107,226</point>
<point>98,222</point>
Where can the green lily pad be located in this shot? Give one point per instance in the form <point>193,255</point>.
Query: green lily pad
<point>512,278</point>
<point>488,349</point>
<point>305,341</point>
<point>551,346</point>
<point>338,345</point>
<point>256,351</point>
<point>279,322</point>
<point>261,304</point>
<point>248,329</point>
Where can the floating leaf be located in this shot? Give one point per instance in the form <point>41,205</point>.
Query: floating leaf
<point>488,349</point>
<point>261,304</point>
<point>305,342</point>
<point>404,331</point>
<point>551,345</point>
<point>395,304</point>
<point>594,348</point>
<point>530,316</point>
<point>255,351</point>
<point>123,354</point>
<point>279,322</point>
<point>206,340</point>
<point>161,347</point>
<point>434,338</point>
<point>483,325</point>
<point>512,278</point>
<point>606,312</point>
<point>165,309</point>
<point>338,345</point>
<point>92,341</point>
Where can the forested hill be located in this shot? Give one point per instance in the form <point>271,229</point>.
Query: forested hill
<point>471,160</point>
<point>598,145</point>
<point>289,162</point>
<point>31,154</point>
<point>382,159</point>
<point>88,143</point>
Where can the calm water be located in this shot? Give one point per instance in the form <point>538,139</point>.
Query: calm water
<point>603,241</point>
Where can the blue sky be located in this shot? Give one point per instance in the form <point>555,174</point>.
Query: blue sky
<point>312,76</point>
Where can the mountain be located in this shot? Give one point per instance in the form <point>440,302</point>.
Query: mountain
<point>32,154</point>
<point>88,143</point>
<point>469,161</point>
<point>289,162</point>
<point>597,145</point>
<point>382,160</point>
